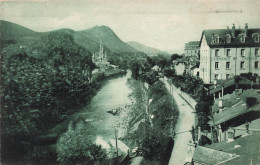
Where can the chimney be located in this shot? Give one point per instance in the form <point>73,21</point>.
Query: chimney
<point>231,134</point>
<point>246,29</point>
<point>247,128</point>
<point>233,31</point>
<point>220,105</point>
<point>257,80</point>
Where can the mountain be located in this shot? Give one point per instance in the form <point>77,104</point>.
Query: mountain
<point>146,49</point>
<point>18,39</point>
<point>108,37</point>
<point>12,31</point>
<point>89,39</point>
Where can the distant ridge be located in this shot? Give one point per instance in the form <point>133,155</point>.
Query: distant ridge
<point>146,49</point>
<point>89,39</point>
<point>10,31</point>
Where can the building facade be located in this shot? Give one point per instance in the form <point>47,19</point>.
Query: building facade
<point>228,52</point>
<point>192,48</point>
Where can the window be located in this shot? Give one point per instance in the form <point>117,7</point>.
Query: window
<point>216,65</point>
<point>228,38</point>
<point>216,76</point>
<point>256,52</point>
<point>217,39</point>
<point>255,36</point>
<point>242,65</point>
<point>242,52</point>
<point>216,52</point>
<point>227,65</point>
<point>227,76</point>
<point>242,37</point>
<point>256,64</point>
<point>228,52</point>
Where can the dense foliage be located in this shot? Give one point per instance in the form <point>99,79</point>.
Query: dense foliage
<point>161,61</point>
<point>162,107</point>
<point>127,59</point>
<point>175,57</point>
<point>157,146</point>
<point>74,147</point>
<point>37,91</point>
<point>154,140</point>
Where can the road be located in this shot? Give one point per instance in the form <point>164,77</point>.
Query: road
<point>185,122</point>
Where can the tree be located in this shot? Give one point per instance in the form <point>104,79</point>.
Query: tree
<point>74,147</point>
<point>175,57</point>
<point>157,146</point>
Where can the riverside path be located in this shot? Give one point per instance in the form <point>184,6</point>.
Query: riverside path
<point>186,120</point>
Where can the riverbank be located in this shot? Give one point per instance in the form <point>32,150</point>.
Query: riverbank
<point>99,79</point>
<point>153,137</point>
<point>46,142</point>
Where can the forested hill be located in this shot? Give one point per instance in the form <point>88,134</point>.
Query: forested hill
<point>10,31</point>
<point>16,39</point>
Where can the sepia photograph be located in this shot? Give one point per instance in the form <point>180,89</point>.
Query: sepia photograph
<point>130,82</point>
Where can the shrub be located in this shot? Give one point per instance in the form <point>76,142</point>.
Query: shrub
<point>74,147</point>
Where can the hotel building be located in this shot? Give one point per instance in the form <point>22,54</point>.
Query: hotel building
<point>228,52</point>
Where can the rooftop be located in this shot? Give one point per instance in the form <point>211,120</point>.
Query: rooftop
<point>192,45</point>
<point>233,112</point>
<point>235,40</point>
<point>247,147</point>
<point>231,82</point>
<point>210,156</point>
<point>231,100</point>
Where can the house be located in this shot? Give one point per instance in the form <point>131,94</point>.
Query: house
<point>241,112</point>
<point>228,86</point>
<point>192,48</point>
<point>225,53</point>
<point>239,151</point>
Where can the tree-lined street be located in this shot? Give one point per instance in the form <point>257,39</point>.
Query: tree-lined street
<point>185,122</point>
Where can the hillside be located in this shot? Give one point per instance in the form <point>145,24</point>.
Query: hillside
<point>89,39</point>
<point>108,37</point>
<point>11,31</point>
<point>17,39</point>
<point>146,49</point>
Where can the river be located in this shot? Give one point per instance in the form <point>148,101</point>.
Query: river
<point>113,94</point>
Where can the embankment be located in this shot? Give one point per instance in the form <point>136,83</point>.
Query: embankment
<point>150,121</point>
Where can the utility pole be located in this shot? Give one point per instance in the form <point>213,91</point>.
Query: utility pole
<point>116,142</point>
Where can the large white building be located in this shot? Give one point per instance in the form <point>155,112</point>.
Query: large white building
<point>228,52</point>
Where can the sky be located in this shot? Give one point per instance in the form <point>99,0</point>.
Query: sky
<point>163,24</point>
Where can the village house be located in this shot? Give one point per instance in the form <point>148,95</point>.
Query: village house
<point>225,53</point>
<point>239,111</point>
<point>236,150</point>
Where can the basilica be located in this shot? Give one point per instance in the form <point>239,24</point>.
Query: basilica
<point>100,58</point>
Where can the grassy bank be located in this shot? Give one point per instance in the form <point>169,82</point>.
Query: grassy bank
<point>152,136</point>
